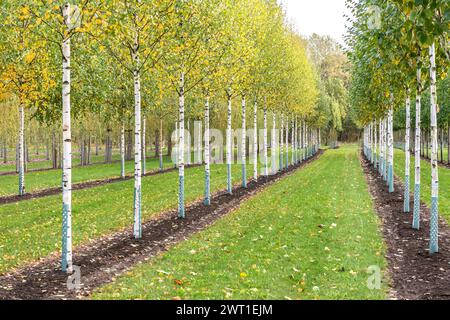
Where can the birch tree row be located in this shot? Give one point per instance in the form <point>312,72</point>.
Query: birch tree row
<point>127,61</point>
<point>398,49</point>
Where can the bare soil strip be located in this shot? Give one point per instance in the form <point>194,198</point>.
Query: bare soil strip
<point>414,273</point>
<point>104,259</point>
<point>81,186</point>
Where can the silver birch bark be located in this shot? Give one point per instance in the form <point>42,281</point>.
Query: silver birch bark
<point>188,145</point>
<point>407,153</point>
<point>287,142</point>
<point>380,157</point>
<point>243,141</point>
<point>160,145</point>
<point>391,149</point>
<point>66,260</point>
<point>273,144</point>
<point>137,230</point>
<point>281,160</point>
<point>416,213</point>
<point>229,147</point>
<point>375,151</point>
<point>266,169</point>
<point>144,156</point>
<point>122,151</point>
<point>293,141</point>
<point>434,219</point>
<point>255,141</point>
<point>21,151</point>
<point>181,211</point>
<point>207,199</point>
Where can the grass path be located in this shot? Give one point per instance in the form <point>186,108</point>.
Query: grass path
<point>45,164</point>
<point>310,236</point>
<point>30,230</point>
<point>35,181</point>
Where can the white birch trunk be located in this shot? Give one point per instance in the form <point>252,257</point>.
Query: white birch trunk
<point>434,219</point>
<point>181,211</point>
<point>281,143</point>
<point>391,149</point>
<point>287,143</point>
<point>255,141</point>
<point>229,151</point>
<point>417,147</point>
<point>407,153</point>
<point>380,157</point>
<point>375,143</point>
<point>160,145</point>
<point>266,169</point>
<point>21,151</point>
<point>243,141</point>
<point>207,200</point>
<point>293,141</point>
<point>122,151</point>
<point>137,229</point>
<point>67,151</point>
<point>273,144</point>
<point>144,155</point>
<point>188,145</point>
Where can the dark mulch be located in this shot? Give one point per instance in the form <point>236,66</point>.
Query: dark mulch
<point>81,186</point>
<point>104,259</point>
<point>415,274</point>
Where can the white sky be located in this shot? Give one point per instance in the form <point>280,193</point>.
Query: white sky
<point>324,17</point>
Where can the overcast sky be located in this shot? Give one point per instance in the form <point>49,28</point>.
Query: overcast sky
<point>324,17</point>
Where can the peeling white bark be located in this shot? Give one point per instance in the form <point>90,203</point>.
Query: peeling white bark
<point>67,149</point>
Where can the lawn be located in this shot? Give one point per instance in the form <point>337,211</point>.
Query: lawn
<point>30,230</point>
<point>310,236</point>
<point>45,164</point>
<point>49,179</point>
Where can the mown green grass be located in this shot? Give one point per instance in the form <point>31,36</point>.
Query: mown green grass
<point>49,179</point>
<point>45,164</point>
<point>272,246</point>
<point>425,186</point>
<point>30,230</point>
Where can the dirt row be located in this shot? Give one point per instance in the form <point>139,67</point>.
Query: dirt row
<point>415,274</point>
<point>104,259</point>
<point>81,186</point>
